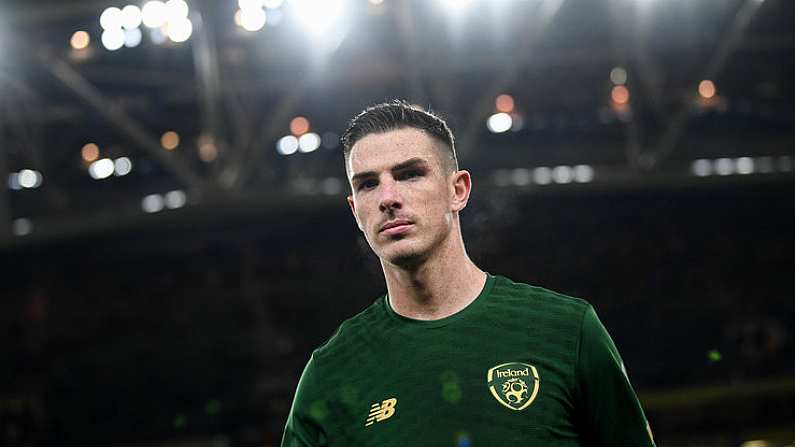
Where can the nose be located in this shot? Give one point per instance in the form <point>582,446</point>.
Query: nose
<point>390,198</point>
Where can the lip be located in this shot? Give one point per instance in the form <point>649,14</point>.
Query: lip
<point>395,226</point>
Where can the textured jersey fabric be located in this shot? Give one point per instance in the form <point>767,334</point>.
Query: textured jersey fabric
<point>519,366</point>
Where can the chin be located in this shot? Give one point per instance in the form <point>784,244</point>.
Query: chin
<point>405,257</point>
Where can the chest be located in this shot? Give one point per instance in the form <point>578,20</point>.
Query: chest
<point>450,388</point>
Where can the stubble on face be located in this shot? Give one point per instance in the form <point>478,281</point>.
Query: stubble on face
<point>399,176</point>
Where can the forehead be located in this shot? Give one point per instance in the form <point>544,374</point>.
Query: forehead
<point>380,151</point>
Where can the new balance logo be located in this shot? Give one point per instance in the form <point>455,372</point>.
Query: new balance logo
<point>382,411</point>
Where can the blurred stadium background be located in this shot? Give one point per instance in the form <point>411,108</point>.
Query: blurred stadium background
<point>175,240</point>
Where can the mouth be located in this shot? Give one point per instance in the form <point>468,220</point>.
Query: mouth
<point>396,227</point>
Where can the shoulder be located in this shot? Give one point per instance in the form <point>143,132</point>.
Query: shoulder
<point>517,294</point>
<point>353,333</point>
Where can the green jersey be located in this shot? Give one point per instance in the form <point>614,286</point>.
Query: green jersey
<point>520,365</point>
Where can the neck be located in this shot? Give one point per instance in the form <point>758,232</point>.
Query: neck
<point>442,285</point>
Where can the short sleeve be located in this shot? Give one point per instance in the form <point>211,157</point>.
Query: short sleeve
<point>608,409</point>
<point>305,424</point>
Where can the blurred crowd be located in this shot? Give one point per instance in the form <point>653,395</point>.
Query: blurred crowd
<point>151,334</point>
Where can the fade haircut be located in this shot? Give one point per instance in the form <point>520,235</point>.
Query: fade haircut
<point>399,114</point>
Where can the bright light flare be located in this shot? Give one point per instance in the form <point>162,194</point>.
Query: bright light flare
<point>28,178</point>
<point>176,10</point>
<point>456,5</point>
<point>154,14</point>
<point>706,89</point>
<point>132,37</point>
<point>175,199</point>
<point>252,19</point>
<point>620,95</point>
<point>542,175</point>
<point>169,140</point>
<point>80,40</point>
<point>179,30</point>
<point>309,142</point>
<point>131,17</point>
<point>583,173</point>
<point>13,181</point>
<point>618,76</point>
<point>701,168</point>
<point>287,145</point>
<point>152,203</point>
<point>101,169</point>
<point>521,177</point>
<point>504,103</point>
<point>499,122</point>
<point>113,39</point>
<point>562,174</point>
<point>299,126</point>
<point>724,166</point>
<point>122,166</point>
<point>111,18</point>
<point>318,16</point>
<point>250,4</point>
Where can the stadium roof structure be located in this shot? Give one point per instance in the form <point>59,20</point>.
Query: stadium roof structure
<point>607,93</point>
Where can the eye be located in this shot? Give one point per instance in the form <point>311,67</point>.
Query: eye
<point>367,184</point>
<point>410,174</point>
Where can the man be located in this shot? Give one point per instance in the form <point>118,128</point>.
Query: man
<point>451,355</point>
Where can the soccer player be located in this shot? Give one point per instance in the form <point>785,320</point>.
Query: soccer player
<point>452,355</point>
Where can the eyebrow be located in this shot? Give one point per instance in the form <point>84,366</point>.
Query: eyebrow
<point>410,163</point>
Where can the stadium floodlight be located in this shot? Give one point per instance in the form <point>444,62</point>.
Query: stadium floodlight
<point>317,16</point>
<point>499,122</point>
<point>504,103</point>
<point>131,17</point>
<point>706,89</point>
<point>287,145</point>
<point>309,142</point>
<point>152,203</point>
<point>542,175</point>
<point>618,76</point>
<point>175,199</point>
<point>273,4</point>
<point>157,36</point>
<point>21,226</point>
<point>520,176</point>
<point>179,30</point>
<point>583,173</point>
<point>724,166</point>
<point>456,5</point>
<point>80,40</point>
<point>132,37</point>
<point>122,166</point>
<point>250,4</point>
<point>154,14</point>
<point>176,10</point>
<point>28,178</point>
<point>745,165</point>
<point>111,18</point>
<point>252,19</point>
<point>113,39</point>
<point>13,181</point>
<point>562,174</point>
<point>101,169</point>
<point>701,167</point>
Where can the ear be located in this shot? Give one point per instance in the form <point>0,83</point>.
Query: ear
<point>460,187</point>
<point>353,210</point>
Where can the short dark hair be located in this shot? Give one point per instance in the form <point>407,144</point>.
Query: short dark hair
<point>394,115</point>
